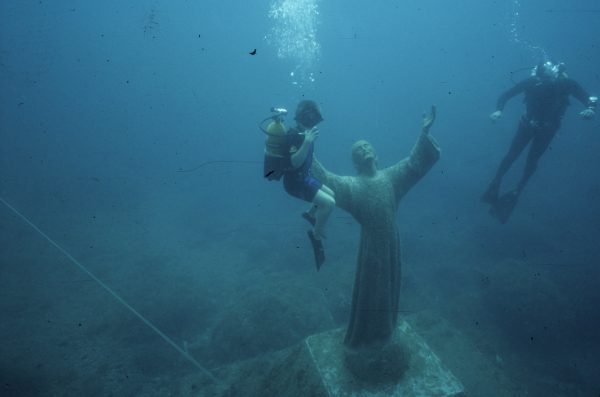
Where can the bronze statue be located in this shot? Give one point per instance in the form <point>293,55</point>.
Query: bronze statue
<point>372,198</point>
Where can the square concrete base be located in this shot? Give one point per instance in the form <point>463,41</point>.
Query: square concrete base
<point>426,376</point>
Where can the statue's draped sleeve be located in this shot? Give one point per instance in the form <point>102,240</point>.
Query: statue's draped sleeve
<point>407,172</point>
<point>341,185</point>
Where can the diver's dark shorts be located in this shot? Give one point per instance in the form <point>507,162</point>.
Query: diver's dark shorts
<point>305,187</point>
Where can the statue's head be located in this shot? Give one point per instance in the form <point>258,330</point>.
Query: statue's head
<point>364,157</point>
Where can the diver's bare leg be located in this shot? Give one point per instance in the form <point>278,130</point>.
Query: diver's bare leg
<point>324,204</point>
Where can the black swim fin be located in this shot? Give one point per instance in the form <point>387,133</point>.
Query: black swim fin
<point>504,206</point>
<point>491,194</point>
<point>317,246</point>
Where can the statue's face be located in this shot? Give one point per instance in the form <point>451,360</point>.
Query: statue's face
<point>362,154</point>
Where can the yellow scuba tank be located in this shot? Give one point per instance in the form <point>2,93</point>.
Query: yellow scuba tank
<point>277,159</point>
<point>275,150</point>
<point>275,143</point>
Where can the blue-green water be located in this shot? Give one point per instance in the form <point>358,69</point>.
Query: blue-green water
<point>103,103</point>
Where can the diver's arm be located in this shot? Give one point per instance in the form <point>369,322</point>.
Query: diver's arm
<point>576,90</point>
<point>508,94</point>
<point>511,92</point>
<point>582,96</point>
<point>299,157</point>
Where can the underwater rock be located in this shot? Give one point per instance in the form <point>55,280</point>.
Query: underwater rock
<point>383,365</point>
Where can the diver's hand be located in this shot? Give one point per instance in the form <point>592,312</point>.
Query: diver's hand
<point>311,135</point>
<point>496,116</point>
<point>587,114</point>
<point>428,120</point>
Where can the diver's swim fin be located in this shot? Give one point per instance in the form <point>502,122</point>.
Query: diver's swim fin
<point>491,194</point>
<point>504,206</point>
<point>317,246</point>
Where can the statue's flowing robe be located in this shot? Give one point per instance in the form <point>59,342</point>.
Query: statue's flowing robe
<point>373,201</point>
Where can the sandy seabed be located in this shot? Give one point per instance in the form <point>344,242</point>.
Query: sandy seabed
<point>236,294</point>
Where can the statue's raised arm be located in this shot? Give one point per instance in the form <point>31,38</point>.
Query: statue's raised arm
<point>424,154</point>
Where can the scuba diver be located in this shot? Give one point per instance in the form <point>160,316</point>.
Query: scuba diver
<point>289,154</point>
<point>546,99</point>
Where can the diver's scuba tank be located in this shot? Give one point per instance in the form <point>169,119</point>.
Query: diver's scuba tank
<point>275,144</point>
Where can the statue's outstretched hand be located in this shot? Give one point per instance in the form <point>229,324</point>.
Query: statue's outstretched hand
<point>428,120</point>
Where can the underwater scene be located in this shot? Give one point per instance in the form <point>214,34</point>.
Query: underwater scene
<point>299,198</point>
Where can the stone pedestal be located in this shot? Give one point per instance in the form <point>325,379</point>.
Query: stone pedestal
<point>425,376</point>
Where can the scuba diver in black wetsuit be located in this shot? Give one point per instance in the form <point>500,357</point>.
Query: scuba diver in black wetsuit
<point>289,154</point>
<point>547,93</point>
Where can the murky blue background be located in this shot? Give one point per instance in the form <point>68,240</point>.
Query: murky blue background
<point>103,103</point>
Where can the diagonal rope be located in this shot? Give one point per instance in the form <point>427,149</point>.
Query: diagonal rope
<point>114,294</point>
